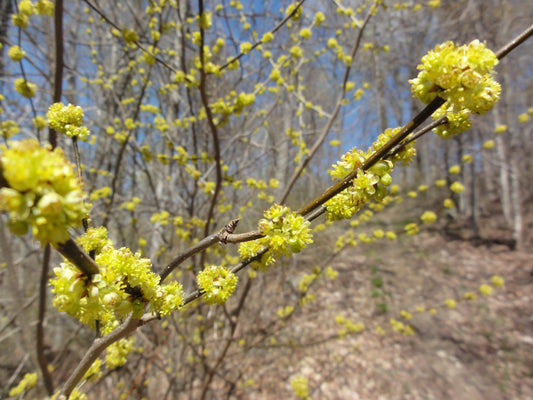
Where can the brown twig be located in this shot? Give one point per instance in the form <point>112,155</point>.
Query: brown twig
<point>224,236</point>
<point>296,174</point>
<point>72,252</point>
<point>375,157</point>
<point>513,44</point>
<point>212,127</point>
<point>98,346</point>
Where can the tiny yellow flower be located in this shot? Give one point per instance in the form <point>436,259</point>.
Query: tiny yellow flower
<point>448,203</point>
<point>497,281</point>
<point>296,52</point>
<point>428,217</point>
<point>319,18</point>
<point>16,53</point>
<point>485,290</point>
<point>245,47</point>
<point>456,169</point>
<point>467,159</point>
<point>457,187</point>
<point>522,118</point>
<point>489,144</point>
<point>25,88</point>
<point>450,303</point>
<point>500,128</point>
<point>305,33</point>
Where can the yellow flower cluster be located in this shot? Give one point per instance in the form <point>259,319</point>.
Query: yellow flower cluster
<point>461,75</point>
<point>124,285</point>
<point>16,53</point>
<point>368,184</point>
<point>27,382</point>
<point>285,232</point>
<point>300,388</point>
<point>25,88</point>
<point>42,191</point>
<point>116,354</point>
<point>67,119</point>
<point>217,283</point>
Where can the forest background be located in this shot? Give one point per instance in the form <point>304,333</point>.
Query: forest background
<point>375,307</point>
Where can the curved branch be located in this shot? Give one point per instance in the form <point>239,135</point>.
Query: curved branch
<point>211,123</point>
<point>98,346</point>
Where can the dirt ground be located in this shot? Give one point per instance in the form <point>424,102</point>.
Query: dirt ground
<point>482,349</point>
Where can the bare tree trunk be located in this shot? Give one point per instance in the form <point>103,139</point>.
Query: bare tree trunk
<point>518,223</point>
<point>6,9</point>
<point>505,192</point>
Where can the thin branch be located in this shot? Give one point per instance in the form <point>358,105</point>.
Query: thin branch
<point>375,157</point>
<point>39,342</point>
<point>220,237</point>
<point>211,123</point>
<point>331,120</point>
<point>260,42</point>
<point>415,135</point>
<point>58,70</point>
<point>513,44</point>
<point>98,346</point>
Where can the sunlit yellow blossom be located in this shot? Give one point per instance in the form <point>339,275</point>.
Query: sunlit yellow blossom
<point>21,20</point>
<point>9,129</point>
<point>116,353</point>
<point>406,315</point>
<point>217,283</point>
<point>26,7</point>
<point>130,36</point>
<point>300,388</point>
<point>25,88</point>
<point>43,191</point>
<point>457,187</point>
<point>124,285</point>
<point>461,75</point>
<point>485,290</point>
<point>450,303</point>
<point>67,120</point>
<point>44,7</point>
<point>411,229</point>
<point>305,33</point>
<point>470,296</point>
<point>428,217</point>
<point>246,47</point>
<point>16,53</point>
<point>296,51</point>
<point>497,280</point>
<point>523,118</point>
<point>448,203</point>
<point>489,144</point>
<point>455,169</point>
<point>26,383</point>
<point>319,18</point>
<point>267,37</point>
<point>297,14</point>
<point>500,128</point>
